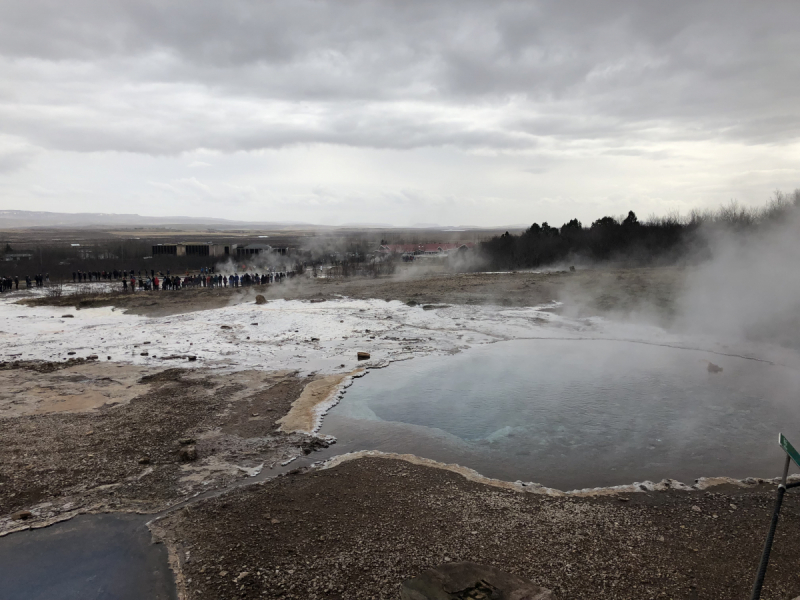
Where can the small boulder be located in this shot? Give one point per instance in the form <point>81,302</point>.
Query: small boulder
<point>363,355</point>
<point>21,515</point>
<point>470,580</point>
<point>225,327</point>
<point>188,453</point>
<point>712,368</point>
<point>260,299</point>
<point>67,316</point>
<point>186,441</point>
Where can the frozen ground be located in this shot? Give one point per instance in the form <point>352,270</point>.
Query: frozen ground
<point>320,337</point>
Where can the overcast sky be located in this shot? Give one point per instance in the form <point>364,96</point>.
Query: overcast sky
<point>460,112</point>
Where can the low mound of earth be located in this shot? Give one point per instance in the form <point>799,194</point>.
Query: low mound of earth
<point>596,291</point>
<point>91,437</point>
<point>359,529</point>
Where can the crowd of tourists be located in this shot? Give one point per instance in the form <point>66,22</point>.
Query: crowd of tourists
<point>159,281</point>
<point>151,281</point>
<point>8,284</point>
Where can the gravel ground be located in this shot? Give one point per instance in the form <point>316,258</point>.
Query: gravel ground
<point>190,432</point>
<point>357,530</point>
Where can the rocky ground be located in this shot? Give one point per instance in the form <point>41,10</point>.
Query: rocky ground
<point>584,292</point>
<point>182,432</point>
<point>358,529</point>
<point>144,440</point>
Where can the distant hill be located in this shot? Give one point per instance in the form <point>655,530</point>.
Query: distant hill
<point>26,219</point>
<point>13,219</point>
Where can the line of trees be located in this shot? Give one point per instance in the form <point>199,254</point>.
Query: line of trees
<point>658,240</point>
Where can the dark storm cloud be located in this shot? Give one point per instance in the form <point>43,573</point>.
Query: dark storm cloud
<point>166,77</point>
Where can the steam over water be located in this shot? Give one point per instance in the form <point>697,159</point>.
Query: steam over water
<point>577,413</point>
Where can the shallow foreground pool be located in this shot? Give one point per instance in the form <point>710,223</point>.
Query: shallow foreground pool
<point>577,413</point>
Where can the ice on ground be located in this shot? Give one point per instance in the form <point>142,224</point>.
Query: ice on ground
<point>286,334</point>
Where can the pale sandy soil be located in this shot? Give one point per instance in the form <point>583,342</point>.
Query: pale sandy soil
<point>121,444</point>
<point>306,412</point>
<point>80,387</point>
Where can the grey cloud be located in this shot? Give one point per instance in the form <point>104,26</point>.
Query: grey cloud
<point>14,157</point>
<point>166,77</point>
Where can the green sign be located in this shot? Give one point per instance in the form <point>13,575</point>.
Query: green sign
<point>789,449</point>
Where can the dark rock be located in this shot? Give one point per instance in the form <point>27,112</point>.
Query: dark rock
<point>363,355</point>
<point>225,327</point>
<point>145,460</point>
<point>145,353</point>
<point>187,441</point>
<point>70,353</point>
<point>67,316</point>
<point>260,299</point>
<point>712,368</point>
<point>470,581</point>
<point>191,358</point>
<point>313,444</point>
<point>187,453</point>
<point>21,515</point>
<point>411,303</point>
<point>92,357</point>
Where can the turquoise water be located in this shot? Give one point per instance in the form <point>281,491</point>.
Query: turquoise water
<point>577,413</point>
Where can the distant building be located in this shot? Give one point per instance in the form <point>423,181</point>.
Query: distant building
<point>253,250</point>
<point>193,249</point>
<point>257,249</point>
<point>17,256</point>
<point>425,249</point>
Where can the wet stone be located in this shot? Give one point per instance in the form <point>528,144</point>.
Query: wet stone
<point>260,299</point>
<point>471,581</point>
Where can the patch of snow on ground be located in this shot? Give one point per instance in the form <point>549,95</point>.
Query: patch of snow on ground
<point>294,334</point>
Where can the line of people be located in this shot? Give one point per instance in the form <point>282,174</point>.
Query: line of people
<point>175,282</point>
<point>116,274</point>
<point>8,284</point>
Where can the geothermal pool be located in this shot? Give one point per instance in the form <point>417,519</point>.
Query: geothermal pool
<point>577,413</point>
<point>104,557</point>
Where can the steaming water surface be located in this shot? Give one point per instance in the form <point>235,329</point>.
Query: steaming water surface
<point>577,413</point>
